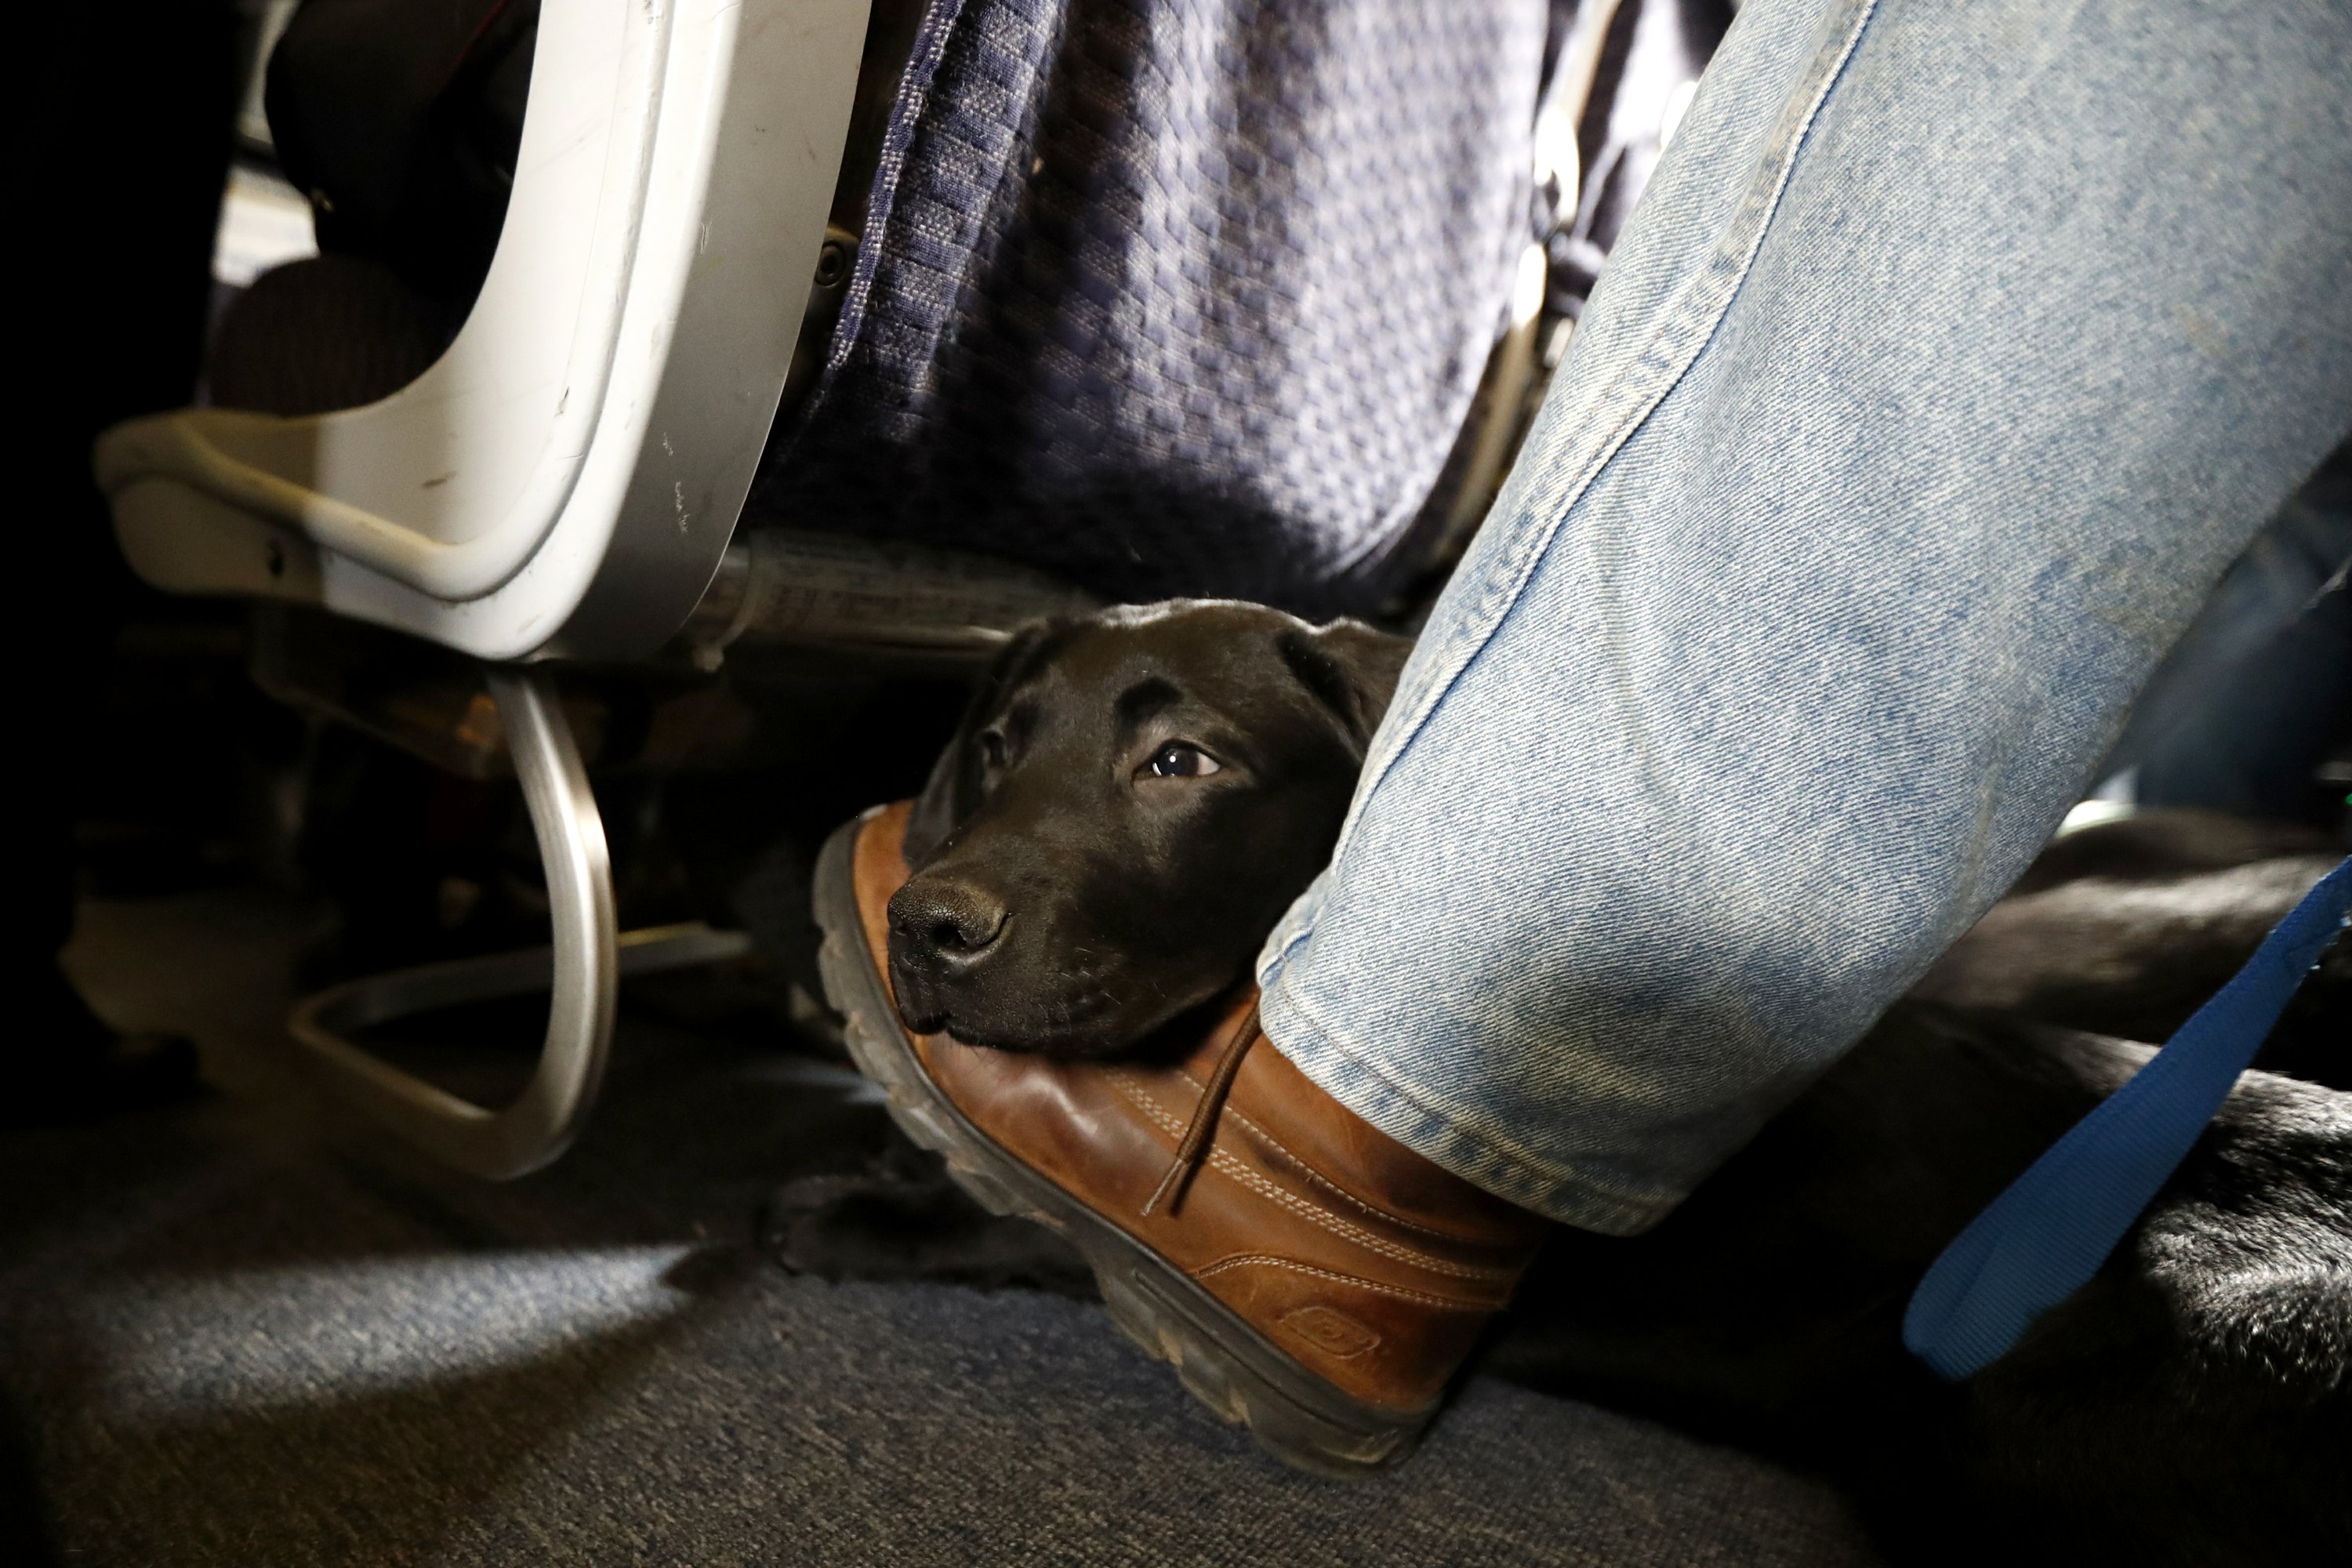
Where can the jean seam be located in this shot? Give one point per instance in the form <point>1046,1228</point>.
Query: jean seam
<point>1688,323</point>
<point>1682,319</point>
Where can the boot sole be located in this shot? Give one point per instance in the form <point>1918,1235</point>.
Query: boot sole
<point>1293,1414</point>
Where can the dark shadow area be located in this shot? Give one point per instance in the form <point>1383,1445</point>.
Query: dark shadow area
<point>247,1330</point>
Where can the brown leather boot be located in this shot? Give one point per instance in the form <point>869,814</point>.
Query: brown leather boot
<point>1304,1273</point>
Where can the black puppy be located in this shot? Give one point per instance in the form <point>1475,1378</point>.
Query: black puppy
<point>1130,803</point>
<point>1133,799</point>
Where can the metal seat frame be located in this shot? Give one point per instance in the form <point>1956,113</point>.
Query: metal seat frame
<point>563,482</point>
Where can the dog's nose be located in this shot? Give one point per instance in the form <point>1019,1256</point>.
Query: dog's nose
<point>951,925</point>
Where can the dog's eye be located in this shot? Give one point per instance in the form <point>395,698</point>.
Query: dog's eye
<point>1178,760</point>
<point>992,749</point>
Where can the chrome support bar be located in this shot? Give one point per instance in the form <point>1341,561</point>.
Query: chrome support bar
<point>581,971</point>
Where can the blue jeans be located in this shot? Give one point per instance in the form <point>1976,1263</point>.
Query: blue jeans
<point>1953,353</point>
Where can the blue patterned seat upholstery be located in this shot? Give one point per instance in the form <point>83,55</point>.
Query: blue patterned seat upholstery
<point>1176,296</point>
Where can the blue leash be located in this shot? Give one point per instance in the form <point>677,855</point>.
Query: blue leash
<point>2037,1243</point>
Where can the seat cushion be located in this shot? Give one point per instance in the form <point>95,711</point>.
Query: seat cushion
<point>1188,296</point>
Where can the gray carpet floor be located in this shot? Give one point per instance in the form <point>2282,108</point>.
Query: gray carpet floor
<point>247,1332</point>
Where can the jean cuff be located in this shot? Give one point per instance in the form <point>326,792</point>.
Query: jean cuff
<point>1415,1119</point>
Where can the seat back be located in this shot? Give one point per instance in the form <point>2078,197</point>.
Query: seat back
<point>565,478</point>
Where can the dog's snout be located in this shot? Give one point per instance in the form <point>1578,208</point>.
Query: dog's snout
<point>951,924</point>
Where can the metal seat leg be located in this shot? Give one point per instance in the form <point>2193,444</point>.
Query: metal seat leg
<point>581,971</point>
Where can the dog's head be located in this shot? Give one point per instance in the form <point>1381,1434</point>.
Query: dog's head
<point>1132,801</point>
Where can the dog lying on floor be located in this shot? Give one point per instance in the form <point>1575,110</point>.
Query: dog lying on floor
<point>2193,1404</point>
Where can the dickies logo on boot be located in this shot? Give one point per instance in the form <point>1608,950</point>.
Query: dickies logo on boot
<point>1330,1332</point>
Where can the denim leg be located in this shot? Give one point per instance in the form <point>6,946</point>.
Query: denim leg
<point>1952,354</point>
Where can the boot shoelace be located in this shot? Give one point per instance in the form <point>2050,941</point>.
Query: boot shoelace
<point>1194,1147</point>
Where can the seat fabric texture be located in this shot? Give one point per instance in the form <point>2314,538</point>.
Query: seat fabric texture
<point>1177,296</point>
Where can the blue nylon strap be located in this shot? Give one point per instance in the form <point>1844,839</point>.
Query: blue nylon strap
<point>2037,1243</point>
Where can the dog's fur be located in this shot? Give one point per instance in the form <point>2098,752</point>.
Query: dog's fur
<point>2192,1405</point>
<point>1067,899</point>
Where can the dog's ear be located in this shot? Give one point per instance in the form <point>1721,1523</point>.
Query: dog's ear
<point>1350,669</point>
<point>953,791</point>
